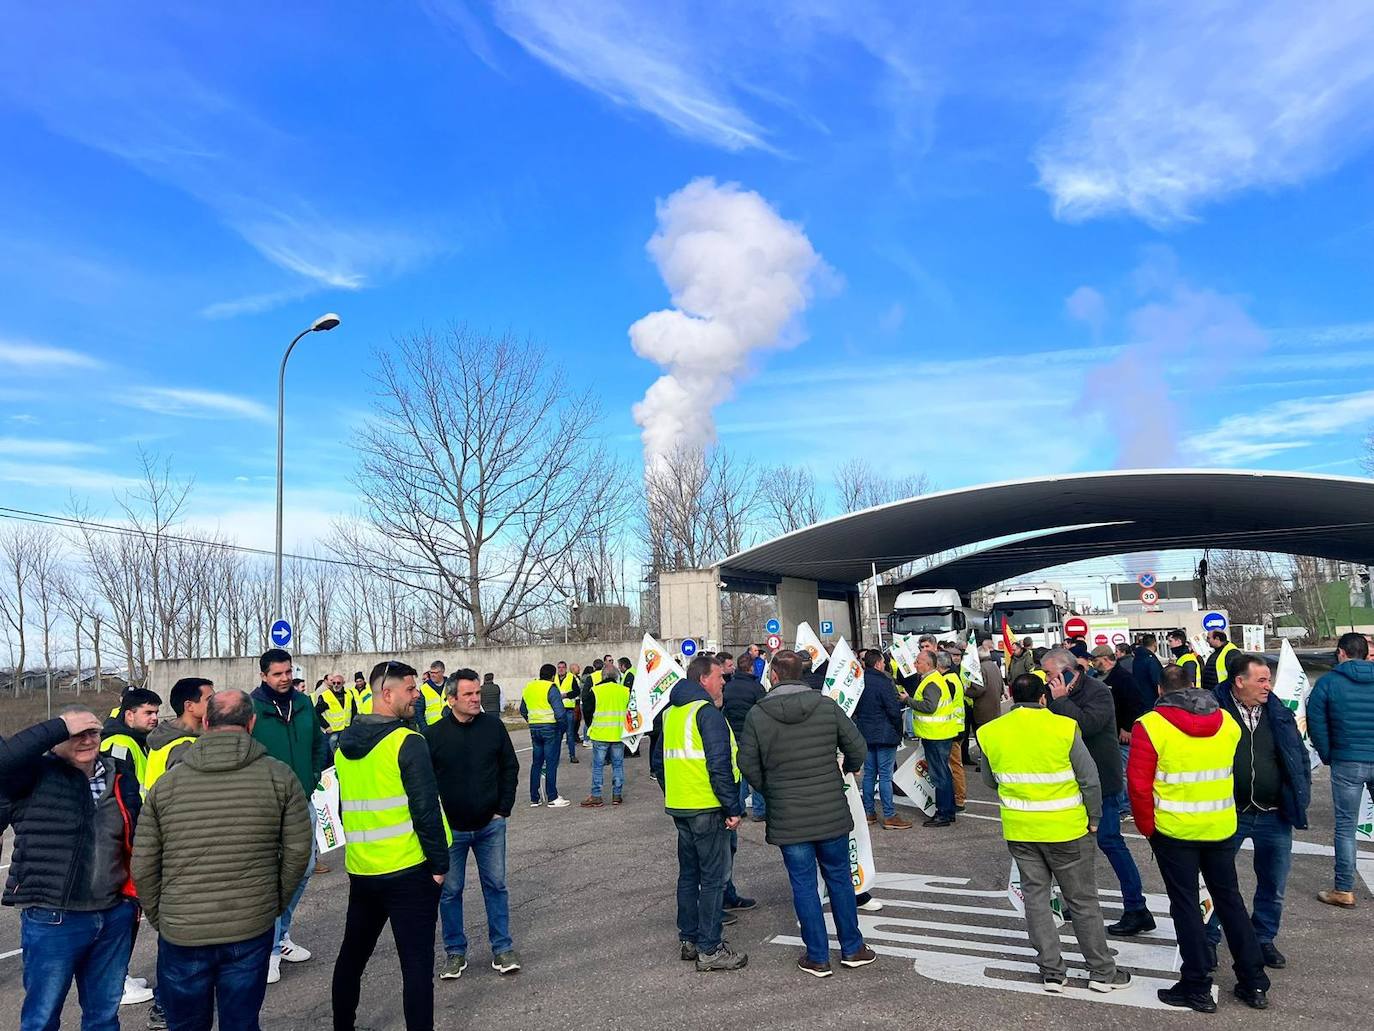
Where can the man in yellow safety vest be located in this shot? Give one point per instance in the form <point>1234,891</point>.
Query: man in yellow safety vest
<point>1051,799</point>
<point>335,706</point>
<point>1182,791</point>
<point>124,738</point>
<point>605,709</point>
<point>1184,655</point>
<point>569,690</point>
<point>429,704</point>
<point>362,694</point>
<point>1214,670</point>
<point>167,742</point>
<point>541,706</point>
<point>939,717</point>
<point>396,849</point>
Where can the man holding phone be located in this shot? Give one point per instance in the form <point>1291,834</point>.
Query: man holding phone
<point>1089,703</point>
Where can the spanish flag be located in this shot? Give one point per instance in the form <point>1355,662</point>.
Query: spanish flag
<point>1007,642</point>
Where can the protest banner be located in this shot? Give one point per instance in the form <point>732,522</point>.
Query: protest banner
<point>971,668</point>
<point>1017,896</point>
<point>809,644</point>
<point>1364,824</point>
<point>656,673</point>
<point>913,777</point>
<point>329,832</point>
<point>1291,686</point>
<point>861,872</point>
<point>844,680</point>
<point>904,649</point>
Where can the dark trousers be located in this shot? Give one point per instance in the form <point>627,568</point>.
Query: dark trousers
<point>703,867</point>
<point>410,901</point>
<point>941,777</point>
<point>1180,863</point>
<point>196,980</point>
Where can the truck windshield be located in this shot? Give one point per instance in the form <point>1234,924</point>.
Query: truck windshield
<point>921,621</point>
<point>1030,617</point>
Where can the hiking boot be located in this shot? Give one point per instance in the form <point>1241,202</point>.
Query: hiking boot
<point>1121,979</point>
<point>688,952</point>
<point>1344,899</point>
<point>1133,921</point>
<point>813,968</point>
<point>454,966</point>
<point>507,962</point>
<point>896,823</point>
<point>592,802</point>
<point>862,958</point>
<point>724,958</point>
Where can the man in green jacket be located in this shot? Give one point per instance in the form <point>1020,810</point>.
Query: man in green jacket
<point>222,843</point>
<point>285,724</point>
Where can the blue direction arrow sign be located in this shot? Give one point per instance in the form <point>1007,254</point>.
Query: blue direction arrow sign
<point>827,627</point>
<point>773,626</point>
<point>688,647</point>
<point>280,633</point>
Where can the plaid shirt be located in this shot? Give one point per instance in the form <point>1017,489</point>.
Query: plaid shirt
<point>98,782</point>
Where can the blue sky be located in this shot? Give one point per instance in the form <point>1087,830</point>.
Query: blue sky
<point>1051,237</point>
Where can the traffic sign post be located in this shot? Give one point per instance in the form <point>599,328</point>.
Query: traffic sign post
<point>1075,626</point>
<point>280,634</point>
<point>773,627</point>
<point>1214,621</point>
<point>1149,596</point>
<point>688,647</point>
<point>774,642</point>
<point>827,627</point>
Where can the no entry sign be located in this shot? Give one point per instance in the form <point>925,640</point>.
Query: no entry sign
<point>1075,626</point>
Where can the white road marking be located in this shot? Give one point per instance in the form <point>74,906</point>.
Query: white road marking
<point>12,952</point>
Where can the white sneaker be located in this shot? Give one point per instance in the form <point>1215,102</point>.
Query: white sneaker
<point>872,906</point>
<point>135,994</point>
<point>141,982</point>
<point>293,953</point>
<point>559,803</point>
<point>274,969</point>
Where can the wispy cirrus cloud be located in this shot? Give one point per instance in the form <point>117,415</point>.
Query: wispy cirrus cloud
<point>1284,426</point>
<point>30,357</point>
<point>25,447</point>
<point>197,404</point>
<point>1189,102</point>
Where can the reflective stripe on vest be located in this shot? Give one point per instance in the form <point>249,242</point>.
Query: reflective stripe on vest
<point>536,697</point>
<point>686,782</point>
<point>337,714</point>
<point>612,702</point>
<point>948,718</point>
<point>1194,790</point>
<point>122,746</point>
<point>158,758</point>
<point>1028,752</point>
<point>434,703</point>
<point>378,833</point>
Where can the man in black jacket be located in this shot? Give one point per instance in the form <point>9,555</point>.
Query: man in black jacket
<point>1089,704</point>
<point>475,765</point>
<point>74,812</point>
<point>878,716</point>
<point>742,693</point>
<point>1273,782</point>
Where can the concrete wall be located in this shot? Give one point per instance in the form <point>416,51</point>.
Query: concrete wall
<point>797,603</point>
<point>689,605</point>
<point>513,666</point>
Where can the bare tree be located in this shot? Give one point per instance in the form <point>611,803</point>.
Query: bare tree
<point>789,498</point>
<point>472,473</point>
<point>18,546</point>
<point>1248,584</point>
<point>699,507</point>
<point>860,486</point>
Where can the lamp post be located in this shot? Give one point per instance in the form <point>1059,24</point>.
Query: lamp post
<point>323,324</point>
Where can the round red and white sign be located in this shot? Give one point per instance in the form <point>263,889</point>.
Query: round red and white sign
<point>1099,639</point>
<point>1149,596</point>
<point>1075,626</point>
<point>774,642</point>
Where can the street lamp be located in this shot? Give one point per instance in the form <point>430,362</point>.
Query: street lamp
<point>323,324</point>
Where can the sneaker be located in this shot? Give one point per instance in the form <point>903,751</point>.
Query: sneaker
<point>727,919</point>
<point>274,969</point>
<point>1255,998</point>
<point>559,803</point>
<point>1053,985</point>
<point>688,951</point>
<point>757,819</point>
<point>871,906</point>
<point>574,759</point>
<point>896,823</point>
<point>1273,958</point>
<point>1202,1002</point>
<point>724,958</point>
<point>140,982</point>
<point>157,1020</point>
<point>536,804</point>
<point>959,807</point>
<point>293,953</point>
<point>617,800</point>
<point>741,903</point>
<point>1344,899</point>
<point>592,802</point>
<point>135,995</point>
<point>1133,921</point>
<point>1120,979</point>
<point>454,965</point>
<point>937,821</point>
<point>862,958</point>
<point>507,962</point>
<point>813,968</point>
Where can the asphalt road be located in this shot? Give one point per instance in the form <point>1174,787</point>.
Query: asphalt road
<point>592,916</point>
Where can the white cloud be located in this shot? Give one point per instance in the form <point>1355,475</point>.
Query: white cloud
<point>1284,426</point>
<point>254,303</point>
<point>1193,101</point>
<point>31,357</point>
<point>1088,306</point>
<point>198,404</point>
<point>23,447</point>
<point>62,476</point>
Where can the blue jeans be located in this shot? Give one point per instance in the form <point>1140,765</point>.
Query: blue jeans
<point>937,768</point>
<point>760,807</point>
<point>1113,846</point>
<point>832,856</point>
<point>284,921</point>
<point>1273,838</point>
<point>568,718</point>
<point>703,867</point>
<point>197,980</point>
<point>1347,778</point>
<point>878,768</point>
<point>488,845</point>
<point>599,750</point>
<point>61,945</point>
<point>544,760</point>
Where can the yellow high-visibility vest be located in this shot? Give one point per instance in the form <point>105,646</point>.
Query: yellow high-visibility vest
<point>378,833</point>
<point>1028,751</point>
<point>686,781</point>
<point>434,703</point>
<point>123,746</point>
<point>948,718</point>
<point>337,714</point>
<point>362,699</point>
<point>158,759</point>
<point>612,701</point>
<point>1222,655</point>
<point>1044,677</point>
<point>1194,787</point>
<point>1190,659</point>
<point>565,688</point>
<point>536,697</point>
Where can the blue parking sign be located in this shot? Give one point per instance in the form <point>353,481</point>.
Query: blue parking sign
<point>827,627</point>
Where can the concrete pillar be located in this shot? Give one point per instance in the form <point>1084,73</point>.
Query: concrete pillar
<point>797,603</point>
<point>689,604</point>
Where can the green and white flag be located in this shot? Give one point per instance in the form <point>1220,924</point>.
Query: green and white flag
<point>971,667</point>
<point>809,644</point>
<point>904,649</point>
<point>1292,687</point>
<point>844,679</point>
<point>656,673</point>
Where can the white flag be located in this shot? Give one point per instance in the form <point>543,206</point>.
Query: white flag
<point>329,832</point>
<point>844,680</point>
<point>904,649</point>
<point>656,673</point>
<point>808,643</point>
<point>913,777</point>
<point>1292,687</point>
<point>1364,824</point>
<point>1206,907</point>
<point>1017,896</point>
<point>971,667</point>
<point>860,842</point>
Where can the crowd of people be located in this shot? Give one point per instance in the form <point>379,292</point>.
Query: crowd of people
<point>202,825</point>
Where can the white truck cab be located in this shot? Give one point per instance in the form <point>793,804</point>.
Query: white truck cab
<point>940,612</point>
